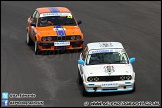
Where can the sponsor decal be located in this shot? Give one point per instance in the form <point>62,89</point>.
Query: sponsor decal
<point>61,43</point>
<point>106,44</point>
<point>110,85</point>
<point>70,16</point>
<point>104,51</point>
<point>57,29</point>
<point>109,69</point>
<point>56,14</point>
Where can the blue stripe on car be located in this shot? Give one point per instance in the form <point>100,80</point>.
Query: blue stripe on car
<point>53,9</point>
<point>60,32</point>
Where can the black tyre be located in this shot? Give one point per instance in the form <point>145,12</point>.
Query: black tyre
<point>28,39</point>
<point>134,88</point>
<point>84,92</point>
<point>36,50</point>
<point>79,78</point>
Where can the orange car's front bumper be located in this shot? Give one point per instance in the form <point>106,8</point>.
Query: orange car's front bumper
<point>50,46</point>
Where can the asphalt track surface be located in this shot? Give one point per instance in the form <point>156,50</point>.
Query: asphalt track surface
<point>53,77</point>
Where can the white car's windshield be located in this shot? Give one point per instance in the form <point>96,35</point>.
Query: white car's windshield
<point>107,58</point>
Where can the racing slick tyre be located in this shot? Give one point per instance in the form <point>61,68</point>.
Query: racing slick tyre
<point>36,50</point>
<point>28,39</point>
<point>134,88</point>
<point>79,78</point>
<point>84,92</point>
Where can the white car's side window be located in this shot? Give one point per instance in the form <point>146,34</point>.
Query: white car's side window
<point>124,58</point>
<point>84,53</point>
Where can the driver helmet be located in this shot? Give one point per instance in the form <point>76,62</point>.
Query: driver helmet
<point>43,20</point>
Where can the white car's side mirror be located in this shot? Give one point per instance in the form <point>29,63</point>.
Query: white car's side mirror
<point>131,60</point>
<point>81,62</point>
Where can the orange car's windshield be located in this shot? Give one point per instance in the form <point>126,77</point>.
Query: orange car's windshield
<point>56,20</point>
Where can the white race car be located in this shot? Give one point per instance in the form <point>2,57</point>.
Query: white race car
<point>105,67</point>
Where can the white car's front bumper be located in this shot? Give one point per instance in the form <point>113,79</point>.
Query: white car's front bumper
<point>113,86</point>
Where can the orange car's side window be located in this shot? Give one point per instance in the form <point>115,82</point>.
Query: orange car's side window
<point>34,17</point>
<point>34,14</point>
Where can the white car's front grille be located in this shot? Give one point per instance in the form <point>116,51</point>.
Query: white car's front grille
<point>109,78</point>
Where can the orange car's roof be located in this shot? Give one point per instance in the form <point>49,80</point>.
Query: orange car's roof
<point>52,9</point>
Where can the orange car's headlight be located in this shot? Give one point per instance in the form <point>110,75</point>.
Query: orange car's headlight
<point>78,37</point>
<point>44,39</point>
<point>72,37</point>
<point>49,38</point>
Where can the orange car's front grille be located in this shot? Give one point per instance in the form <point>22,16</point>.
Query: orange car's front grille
<point>76,44</point>
<point>56,38</point>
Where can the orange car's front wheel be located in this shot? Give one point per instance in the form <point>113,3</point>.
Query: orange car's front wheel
<point>28,39</point>
<point>36,49</point>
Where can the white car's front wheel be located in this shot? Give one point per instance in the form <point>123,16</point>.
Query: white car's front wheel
<point>79,78</point>
<point>84,92</point>
<point>134,88</point>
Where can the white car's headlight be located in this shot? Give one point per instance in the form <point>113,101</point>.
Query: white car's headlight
<point>125,77</point>
<point>95,79</point>
<point>128,77</point>
<point>92,79</point>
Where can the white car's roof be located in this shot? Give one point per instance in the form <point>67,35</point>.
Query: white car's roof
<point>104,45</point>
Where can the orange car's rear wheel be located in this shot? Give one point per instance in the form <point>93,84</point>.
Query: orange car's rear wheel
<point>28,39</point>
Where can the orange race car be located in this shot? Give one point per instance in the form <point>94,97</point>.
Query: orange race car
<point>54,28</point>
